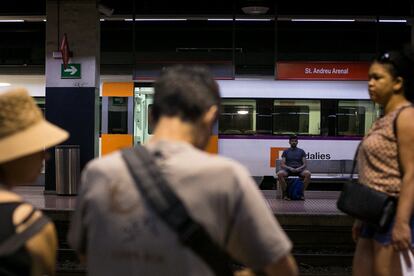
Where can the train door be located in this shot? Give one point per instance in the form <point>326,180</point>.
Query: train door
<point>117,116</point>
<point>143,127</point>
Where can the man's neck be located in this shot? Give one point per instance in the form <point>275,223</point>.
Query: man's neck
<point>173,129</point>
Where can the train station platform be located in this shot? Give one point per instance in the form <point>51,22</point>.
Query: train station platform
<point>319,208</point>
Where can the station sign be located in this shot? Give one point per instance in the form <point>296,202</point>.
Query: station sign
<point>322,70</point>
<point>72,71</point>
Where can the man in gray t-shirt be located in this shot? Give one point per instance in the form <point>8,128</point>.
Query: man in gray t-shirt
<point>118,232</point>
<point>293,163</point>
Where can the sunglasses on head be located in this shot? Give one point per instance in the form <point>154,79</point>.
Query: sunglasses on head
<point>385,57</point>
<point>392,58</point>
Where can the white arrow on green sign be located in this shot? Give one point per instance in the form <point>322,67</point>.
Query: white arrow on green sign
<point>72,71</point>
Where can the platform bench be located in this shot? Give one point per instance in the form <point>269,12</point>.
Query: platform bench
<point>327,170</point>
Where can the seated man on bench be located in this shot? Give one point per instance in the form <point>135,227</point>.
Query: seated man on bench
<point>293,163</point>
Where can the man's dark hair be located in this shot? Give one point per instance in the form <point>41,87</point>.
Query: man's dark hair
<point>184,91</point>
<point>293,136</point>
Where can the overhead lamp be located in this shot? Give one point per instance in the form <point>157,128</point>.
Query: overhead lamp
<point>156,19</point>
<point>321,20</point>
<point>255,7</point>
<point>11,20</point>
<point>3,84</point>
<point>253,19</point>
<point>392,21</point>
<point>242,112</point>
<point>239,19</point>
<point>219,19</point>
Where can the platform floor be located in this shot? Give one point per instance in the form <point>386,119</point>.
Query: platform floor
<point>316,203</point>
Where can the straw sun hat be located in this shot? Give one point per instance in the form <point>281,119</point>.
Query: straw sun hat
<point>23,130</point>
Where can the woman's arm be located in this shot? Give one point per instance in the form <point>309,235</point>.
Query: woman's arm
<point>401,233</point>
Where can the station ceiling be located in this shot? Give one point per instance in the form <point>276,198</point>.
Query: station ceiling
<point>203,7</point>
<point>257,44</point>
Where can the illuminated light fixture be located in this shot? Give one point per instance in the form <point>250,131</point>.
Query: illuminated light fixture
<point>253,19</point>
<point>219,19</point>
<point>239,19</point>
<point>3,84</point>
<point>392,21</point>
<point>11,20</point>
<point>156,19</point>
<point>101,19</point>
<point>321,20</point>
<point>242,112</point>
<point>44,20</point>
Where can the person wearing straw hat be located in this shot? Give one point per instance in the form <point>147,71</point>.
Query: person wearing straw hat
<point>27,238</point>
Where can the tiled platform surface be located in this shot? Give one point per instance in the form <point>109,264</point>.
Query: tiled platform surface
<point>316,203</point>
<point>319,208</point>
<point>35,195</point>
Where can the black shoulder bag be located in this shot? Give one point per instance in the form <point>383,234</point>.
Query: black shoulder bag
<point>366,204</point>
<point>155,189</point>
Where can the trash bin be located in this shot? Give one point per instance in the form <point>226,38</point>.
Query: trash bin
<point>67,161</point>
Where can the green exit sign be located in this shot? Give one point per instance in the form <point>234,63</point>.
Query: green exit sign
<point>72,71</point>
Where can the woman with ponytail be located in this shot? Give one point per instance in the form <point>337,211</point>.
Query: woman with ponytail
<point>386,164</point>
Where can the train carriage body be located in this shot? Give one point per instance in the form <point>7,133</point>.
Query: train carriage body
<point>256,116</point>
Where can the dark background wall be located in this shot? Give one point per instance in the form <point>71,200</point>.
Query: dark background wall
<point>254,45</point>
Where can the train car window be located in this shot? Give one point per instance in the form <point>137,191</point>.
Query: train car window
<point>118,115</point>
<point>100,116</point>
<point>296,116</point>
<point>237,117</point>
<point>150,120</point>
<point>328,117</point>
<point>355,118</point>
<point>264,116</point>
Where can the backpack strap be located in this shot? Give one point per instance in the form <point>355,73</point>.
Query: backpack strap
<point>158,194</point>
<point>18,240</point>
<point>27,218</point>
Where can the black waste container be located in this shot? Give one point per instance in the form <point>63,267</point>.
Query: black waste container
<point>67,161</point>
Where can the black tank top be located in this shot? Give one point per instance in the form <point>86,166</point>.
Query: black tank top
<point>20,262</point>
